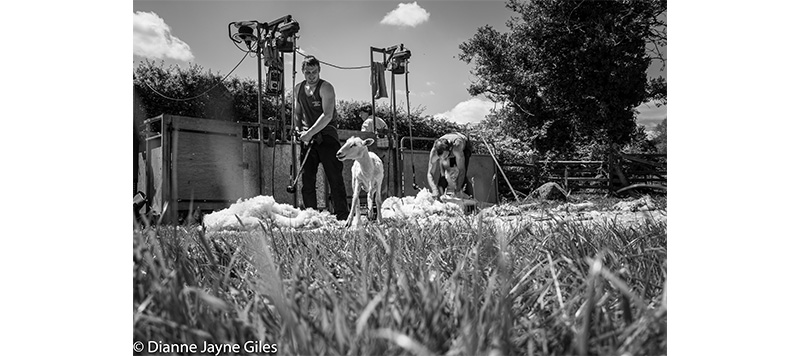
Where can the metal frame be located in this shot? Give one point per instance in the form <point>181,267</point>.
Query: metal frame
<point>264,32</point>
<point>394,154</point>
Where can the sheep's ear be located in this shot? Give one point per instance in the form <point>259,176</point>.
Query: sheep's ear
<point>368,142</point>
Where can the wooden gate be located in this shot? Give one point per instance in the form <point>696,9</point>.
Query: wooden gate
<point>192,164</point>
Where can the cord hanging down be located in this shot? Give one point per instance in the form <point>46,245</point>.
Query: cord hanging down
<point>203,93</point>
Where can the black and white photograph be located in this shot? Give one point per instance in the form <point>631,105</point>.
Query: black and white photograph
<point>381,177</point>
<point>391,178</point>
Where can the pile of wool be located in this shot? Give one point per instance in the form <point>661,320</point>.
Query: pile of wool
<point>641,204</point>
<point>422,205</point>
<point>502,210</point>
<point>572,207</point>
<point>260,209</point>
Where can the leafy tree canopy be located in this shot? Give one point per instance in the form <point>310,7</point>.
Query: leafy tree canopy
<point>192,92</point>
<point>572,72</point>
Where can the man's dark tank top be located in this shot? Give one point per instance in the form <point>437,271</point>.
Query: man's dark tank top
<point>312,110</point>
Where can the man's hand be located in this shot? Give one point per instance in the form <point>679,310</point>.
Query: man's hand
<point>439,193</point>
<point>305,136</point>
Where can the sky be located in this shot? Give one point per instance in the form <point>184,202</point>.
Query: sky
<point>341,33</point>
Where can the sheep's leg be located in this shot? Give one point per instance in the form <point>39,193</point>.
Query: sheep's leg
<point>378,199</point>
<point>354,210</point>
<point>357,204</point>
<point>370,193</point>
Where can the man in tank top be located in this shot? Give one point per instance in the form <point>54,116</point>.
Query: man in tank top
<point>315,115</point>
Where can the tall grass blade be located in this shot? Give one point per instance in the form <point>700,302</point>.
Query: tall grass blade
<point>270,284</point>
<point>362,319</point>
<point>208,299</point>
<point>206,248</point>
<point>622,287</point>
<point>594,270</point>
<point>339,328</point>
<point>404,342</point>
<point>163,213</point>
<point>558,286</point>
<point>524,278</point>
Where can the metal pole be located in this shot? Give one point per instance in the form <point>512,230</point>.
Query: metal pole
<point>394,117</point>
<point>377,82</point>
<point>173,176</point>
<point>283,117</point>
<point>374,85</point>
<point>291,120</point>
<point>395,149</point>
<point>410,132</point>
<point>260,123</point>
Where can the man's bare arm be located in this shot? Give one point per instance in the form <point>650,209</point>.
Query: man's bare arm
<point>432,162</point>
<point>462,173</point>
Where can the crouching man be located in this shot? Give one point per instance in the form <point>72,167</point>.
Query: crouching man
<point>450,157</point>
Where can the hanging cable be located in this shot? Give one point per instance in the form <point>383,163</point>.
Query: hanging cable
<point>203,93</point>
<point>333,65</point>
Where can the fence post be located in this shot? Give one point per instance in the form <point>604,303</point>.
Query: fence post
<point>615,166</point>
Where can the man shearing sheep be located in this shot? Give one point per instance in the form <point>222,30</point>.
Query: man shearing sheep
<point>450,156</point>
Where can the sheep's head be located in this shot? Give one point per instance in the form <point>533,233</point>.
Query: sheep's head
<point>354,148</point>
<point>451,175</point>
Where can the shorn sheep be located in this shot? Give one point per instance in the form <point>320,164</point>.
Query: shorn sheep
<point>367,172</point>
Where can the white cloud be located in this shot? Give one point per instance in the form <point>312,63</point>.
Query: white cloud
<point>470,111</point>
<point>152,38</point>
<point>649,115</point>
<point>409,15</point>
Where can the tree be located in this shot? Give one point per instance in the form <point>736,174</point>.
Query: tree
<point>192,92</point>
<point>660,139</point>
<point>572,71</point>
<point>641,142</point>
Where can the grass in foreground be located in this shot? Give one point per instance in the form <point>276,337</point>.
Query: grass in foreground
<point>457,287</point>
